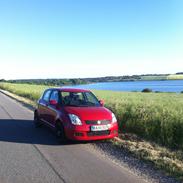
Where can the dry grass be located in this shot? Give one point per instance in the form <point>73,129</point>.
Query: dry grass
<point>163,158</point>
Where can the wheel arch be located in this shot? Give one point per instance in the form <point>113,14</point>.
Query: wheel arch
<point>58,121</point>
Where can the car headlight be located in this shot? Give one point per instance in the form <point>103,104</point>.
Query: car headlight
<point>75,119</point>
<point>114,120</point>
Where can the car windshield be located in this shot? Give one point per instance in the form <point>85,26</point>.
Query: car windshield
<point>79,99</point>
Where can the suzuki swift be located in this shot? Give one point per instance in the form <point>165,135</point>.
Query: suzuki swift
<point>75,114</point>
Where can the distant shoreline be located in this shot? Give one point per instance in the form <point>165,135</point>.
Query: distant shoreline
<point>157,86</point>
<point>81,81</point>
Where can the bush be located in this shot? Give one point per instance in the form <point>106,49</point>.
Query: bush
<point>147,90</point>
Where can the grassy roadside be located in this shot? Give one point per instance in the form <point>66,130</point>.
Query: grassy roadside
<point>170,161</point>
<point>135,111</point>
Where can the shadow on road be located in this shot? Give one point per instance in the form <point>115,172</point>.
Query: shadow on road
<point>23,131</point>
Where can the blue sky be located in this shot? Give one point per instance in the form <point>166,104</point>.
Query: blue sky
<point>90,38</point>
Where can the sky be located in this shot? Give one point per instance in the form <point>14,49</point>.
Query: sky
<point>90,38</point>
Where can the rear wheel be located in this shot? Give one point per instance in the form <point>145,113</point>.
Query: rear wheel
<point>60,132</point>
<point>37,122</point>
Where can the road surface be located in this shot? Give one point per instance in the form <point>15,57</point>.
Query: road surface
<point>33,155</point>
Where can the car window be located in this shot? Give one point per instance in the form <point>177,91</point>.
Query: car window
<point>54,96</point>
<point>77,96</point>
<point>46,95</point>
<point>66,98</point>
<point>79,99</point>
<point>72,98</point>
<point>90,98</point>
<point>65,94</point>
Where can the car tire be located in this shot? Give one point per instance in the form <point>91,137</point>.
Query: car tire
<point>37,122</point>
<point>60,132</point>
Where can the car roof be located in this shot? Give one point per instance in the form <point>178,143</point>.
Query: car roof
<point>71,89</point>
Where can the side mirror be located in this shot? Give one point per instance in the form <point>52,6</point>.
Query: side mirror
<point>53,102</point>
<point>101,102</point>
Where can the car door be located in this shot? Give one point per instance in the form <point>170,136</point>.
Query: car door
<point>53,109</point>
<point>43,106</point>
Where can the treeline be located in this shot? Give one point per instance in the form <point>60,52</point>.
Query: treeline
<point>79,81</point>
<point>52,82</point>
<point>179,73</point>
<point>113,79</point>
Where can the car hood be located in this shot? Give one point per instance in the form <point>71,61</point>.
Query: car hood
<point>90,113</point>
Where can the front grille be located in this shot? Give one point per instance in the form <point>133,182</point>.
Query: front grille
<point>98,133</point>
<point>96,122</point>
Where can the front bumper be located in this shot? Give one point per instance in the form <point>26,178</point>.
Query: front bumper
<point>85,134</point>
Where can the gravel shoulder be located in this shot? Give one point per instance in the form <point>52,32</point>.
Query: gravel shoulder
<point>125,159</point>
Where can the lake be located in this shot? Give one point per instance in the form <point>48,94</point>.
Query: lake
<point>162,86</point>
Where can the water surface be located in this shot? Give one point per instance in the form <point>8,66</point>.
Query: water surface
<point>162,86</point>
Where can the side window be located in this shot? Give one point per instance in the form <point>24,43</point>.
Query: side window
<point>65,97</point>
<point>54,96</point>
<point>46,95</point>
<point>80,96</point>
<point>65,94</point>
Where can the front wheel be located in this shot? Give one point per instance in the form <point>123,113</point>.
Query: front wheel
<point>37,122</point>
<point>60,132</point>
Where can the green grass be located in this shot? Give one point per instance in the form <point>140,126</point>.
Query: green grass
<point>168,77</point>
<point>29,91</point>
<point>175,76</point>
<point>152,78</point>
<point>154,116</point>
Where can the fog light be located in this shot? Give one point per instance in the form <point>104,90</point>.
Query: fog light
<point>115,131</point>
<point>78,134</point>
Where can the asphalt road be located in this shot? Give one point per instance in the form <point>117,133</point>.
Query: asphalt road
<point>33,155</point>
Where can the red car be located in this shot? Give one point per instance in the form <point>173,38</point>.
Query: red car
<point>75,114</point>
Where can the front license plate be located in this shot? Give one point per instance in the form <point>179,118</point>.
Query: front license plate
<point>99,128</point>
